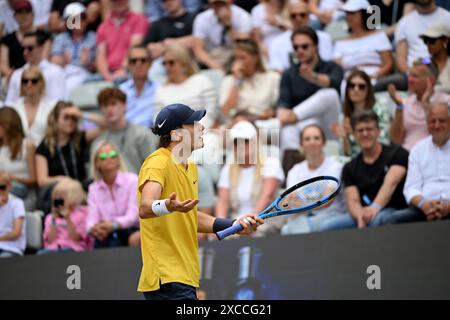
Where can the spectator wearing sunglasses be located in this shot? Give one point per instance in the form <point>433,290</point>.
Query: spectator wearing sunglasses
<point>63,150</point>
<point>11,47</point>
<point>409,124</point>
<point>65,227</point>
<point>112,199</point>
<point>139,88</point>
<point>34,105</point>
<point>74,50</point>
<point>437,39</point>
<point>359,95</point>
<point>308,94</point>
<point>12,224</point>
<point>34,46</point>
<point>17,156</point>
<point>281,53</point>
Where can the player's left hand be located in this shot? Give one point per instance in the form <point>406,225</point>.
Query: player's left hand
<point>250,223</point>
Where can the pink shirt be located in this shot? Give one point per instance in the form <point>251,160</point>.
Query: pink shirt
<point>117,37</point>
<point>63,241</point>
<point>119,204</point>
<point>414,119</point>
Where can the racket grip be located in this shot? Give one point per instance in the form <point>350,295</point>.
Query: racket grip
<point>229,231</point>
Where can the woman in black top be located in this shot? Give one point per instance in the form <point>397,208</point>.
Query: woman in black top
<point>62,152</point>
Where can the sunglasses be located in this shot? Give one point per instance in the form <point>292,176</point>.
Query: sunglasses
<point>28,48</point>
<point>168,62</point>
<point>68,117</point>
<point>299,14</point>
<point>360,86</point>
<point>136,60</point>
<point>3,187</point>
<point>105,155</point>
<point>33,81</point>
<point>301,46</point>
<point>58,202</point>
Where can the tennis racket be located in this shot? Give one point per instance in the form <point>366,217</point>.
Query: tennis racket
<point>302,197</point>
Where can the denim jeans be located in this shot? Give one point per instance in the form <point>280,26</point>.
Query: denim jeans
<point>347,221</point>
<point>172,291</point>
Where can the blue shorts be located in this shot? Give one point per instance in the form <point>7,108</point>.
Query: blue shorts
<point>172,291</point>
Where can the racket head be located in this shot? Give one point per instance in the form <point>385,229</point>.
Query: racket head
<point>305,196</point>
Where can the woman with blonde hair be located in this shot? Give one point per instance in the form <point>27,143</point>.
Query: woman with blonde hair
<point>112,199</point>
<point>250,88</point>
<point>185,85</point>
<point>33,107</point>
<point>249,182</point>
<point>65,227</point>
<point>17,155</point>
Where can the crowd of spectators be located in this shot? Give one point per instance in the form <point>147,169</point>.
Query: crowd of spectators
<point>279,87</point>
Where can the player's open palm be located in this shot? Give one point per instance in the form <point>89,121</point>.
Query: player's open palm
<point>173,204</point>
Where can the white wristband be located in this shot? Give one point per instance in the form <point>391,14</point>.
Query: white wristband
<point>159,208</point>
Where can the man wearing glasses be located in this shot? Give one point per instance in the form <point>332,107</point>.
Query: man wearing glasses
<point>33,46</point>
<point>308,94</point>
<point>373,180</point>
<point>281,53</point>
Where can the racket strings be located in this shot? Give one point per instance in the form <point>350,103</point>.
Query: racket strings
<point>308,194</point>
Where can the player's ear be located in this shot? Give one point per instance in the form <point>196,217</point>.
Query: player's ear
<point>175,136</point>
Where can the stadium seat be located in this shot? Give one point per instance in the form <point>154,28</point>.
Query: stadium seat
<point>33,221</point>
<point>337,30</point>
<point>85,95</point>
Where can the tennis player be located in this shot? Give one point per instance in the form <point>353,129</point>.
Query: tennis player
<point>167,195</point>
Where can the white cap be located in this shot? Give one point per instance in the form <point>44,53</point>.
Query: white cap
<point>437,30</point>
<point>73,9</point>
<point>355,5</point>
<point>243,130</point>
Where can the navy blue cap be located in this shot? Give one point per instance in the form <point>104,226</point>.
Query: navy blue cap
<point>174,115</point>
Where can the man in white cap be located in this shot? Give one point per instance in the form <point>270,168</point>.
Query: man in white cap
<point>74,50</point>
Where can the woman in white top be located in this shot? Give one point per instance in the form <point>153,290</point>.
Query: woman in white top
<point>312,141</point>
<point>269,20</point>
<point>250,88</point>
<point>16,153</point>
<point>364,48</point>
<point>185,85</point>
<point>249,182</point>
<point>33,107</point>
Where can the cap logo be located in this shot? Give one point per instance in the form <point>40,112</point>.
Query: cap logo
<point>162,123</point>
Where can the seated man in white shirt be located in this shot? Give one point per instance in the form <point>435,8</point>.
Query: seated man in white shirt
<point>33,44</point>
<point>281,53</point>
<point>427,186</point>
<point>215,29</point>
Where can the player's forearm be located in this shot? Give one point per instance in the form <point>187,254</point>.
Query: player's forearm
<point>205,222</point>
<point>145,209</point>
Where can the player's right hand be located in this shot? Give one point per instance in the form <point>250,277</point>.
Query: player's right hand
<point>173,204</point>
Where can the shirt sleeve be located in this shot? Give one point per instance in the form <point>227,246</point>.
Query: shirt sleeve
<point>400,158</point>
<point>285,99</point>
<point>130,218</point>
<point>414,179</point>
<point>58,45</point>
<point>19,209</point>
<point>152,170</point>
<point>199,29</point>
<point>347,178</point>
<point>94,215</point>
<point>336,75</point>
<point>141,25</point>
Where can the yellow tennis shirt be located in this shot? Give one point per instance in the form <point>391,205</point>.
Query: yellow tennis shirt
<point>169,243</point>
